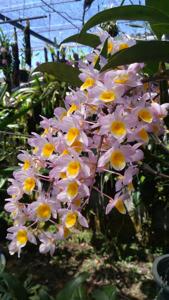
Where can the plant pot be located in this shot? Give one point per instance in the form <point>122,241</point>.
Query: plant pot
<point>161,276</point>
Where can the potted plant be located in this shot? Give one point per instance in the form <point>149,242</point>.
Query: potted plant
<point>161,276</point>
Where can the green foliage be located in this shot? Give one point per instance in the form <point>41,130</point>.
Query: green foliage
<point>162,5</point>
<point>4,39</point>
<point>75,290</point>
<point>86,39</point>
<point>3,89</point>
<point>102,53</point>
<point>128,12</point>
<point>151,51</point>
<point>10,287</point>
<point>106,293</point>
<point>61,72</point>
<point>48,92</point>
<point>44,90</point>
<point>37,292</point>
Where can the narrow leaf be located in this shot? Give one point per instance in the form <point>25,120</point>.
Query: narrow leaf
<point>16,289</point>
<point>99,295</point>
<point>128,12</point>
<point>144,51</point>
<point>163,27</point>
<point>86,39</point>
<point>2,262</point>
<point>102,53</point>
<point>71,287</point>
<point>13,116</point>
<point>3,91</point>
<point>105,293</point>
<point>163,6</point>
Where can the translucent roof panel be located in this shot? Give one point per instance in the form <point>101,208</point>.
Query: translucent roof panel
<point>58,18</point>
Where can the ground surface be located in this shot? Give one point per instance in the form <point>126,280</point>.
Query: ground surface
<point>132,275</point>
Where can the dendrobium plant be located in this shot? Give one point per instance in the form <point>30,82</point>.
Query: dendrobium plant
<point>104,127</point>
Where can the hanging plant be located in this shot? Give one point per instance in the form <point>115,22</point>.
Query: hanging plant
<point>46,54</point>
<point>27,43</point>
<point>16,62</point>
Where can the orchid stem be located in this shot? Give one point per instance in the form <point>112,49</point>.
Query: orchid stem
<point>103,194</point>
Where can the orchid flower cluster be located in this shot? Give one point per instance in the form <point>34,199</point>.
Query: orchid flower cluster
<point>104,127</point>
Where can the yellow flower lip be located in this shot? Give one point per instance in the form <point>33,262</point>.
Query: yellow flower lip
<point>73,169</point>
<point>43,211</point>
<point>47,150</point>
<point>35,150</point>
<point>77,202</point>
<point>77,146</point>
<point>110,47</point>
<point>64,114</point>
<point>107,96</point>
<point>22,236</point>
<point>123,46</point>
<point>26,165</point>
<point>130,187</point>
<point>46,131</point>
<point>72,190</point>
<point>117,160</point>
<point>66,232</point>
<point>121,79</point>
<point>143,135</point>
<point>65,152</point>
<point>145,115</point>
<point>118,128</point>
<point>72,109</point>
<point>120,206</point>
<point>89,82</point>
<point>62,175</point>
<point>72,135</point>
<point>71,219</point>
<point>29,184</point>
<point>96,57</point>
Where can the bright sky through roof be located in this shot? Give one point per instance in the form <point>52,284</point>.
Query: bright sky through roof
<point>64,18</point>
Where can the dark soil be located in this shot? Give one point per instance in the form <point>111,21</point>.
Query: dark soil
<point>131,276</point>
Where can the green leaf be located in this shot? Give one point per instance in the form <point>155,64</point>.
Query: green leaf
<point>13,116</point>
<point>80,293</point>
<point>151,68</point>
<point>105,293</point>
<point>86,39</point>
<point>70,289</point>
<point>110,291</point>
<point>128,12</point>
<point>43,295</point>
<point>24,108</point>
<point>3,90</point>
<point>2,262</point>
<point>61,72</point>
<point>160,28</point>
<point>102,53</point>
<point>163,6</point>
<point>144,51</point>
<point>16,289</point>
<point>8,171</point>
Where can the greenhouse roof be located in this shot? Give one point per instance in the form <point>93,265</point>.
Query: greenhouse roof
<point>54,19</point>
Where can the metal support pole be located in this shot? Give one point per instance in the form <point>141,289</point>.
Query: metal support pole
<point>20,26</point>
<point>23,19</point>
